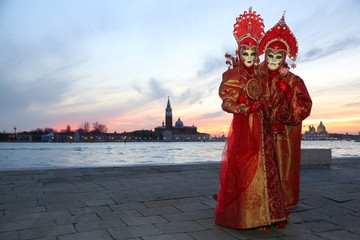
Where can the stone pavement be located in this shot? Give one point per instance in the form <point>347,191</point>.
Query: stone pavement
<point>164,202</point>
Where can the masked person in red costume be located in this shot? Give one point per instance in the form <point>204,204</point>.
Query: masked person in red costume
<point>250,194</point>
<point>289,102</point>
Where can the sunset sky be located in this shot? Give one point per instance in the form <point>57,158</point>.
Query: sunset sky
<point>116,62</point>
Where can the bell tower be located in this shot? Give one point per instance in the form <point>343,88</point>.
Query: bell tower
<point>168,116</point>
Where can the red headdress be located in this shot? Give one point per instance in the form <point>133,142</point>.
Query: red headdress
<point>280,37</point>
<point>249,28</point>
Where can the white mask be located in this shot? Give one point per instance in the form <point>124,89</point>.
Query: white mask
<point>248,57</point>
<point>274,60</point>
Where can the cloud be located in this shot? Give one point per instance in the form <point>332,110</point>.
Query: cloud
<point>345,88</point>
<point>210,65</point>
<point>11,99</point>
<point>343,45</point>
<point>137,88</point>
<point>313,53</point>
<point>157,90</point>
<point>354,104</point>
<point>37,72</point>
<point>152,90</point>
<point>212,115</point>
<point>41,91</point>
<point>191,96</point>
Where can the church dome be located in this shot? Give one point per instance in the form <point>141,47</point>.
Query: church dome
<point>179,123</point>
<point>321,128</point>
<point>312,129</point>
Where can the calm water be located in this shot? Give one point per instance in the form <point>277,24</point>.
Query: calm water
<point>34,155</point>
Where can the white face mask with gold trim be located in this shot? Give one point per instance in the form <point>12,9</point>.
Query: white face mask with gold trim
<point>248,57</point>
<point>274,60</point>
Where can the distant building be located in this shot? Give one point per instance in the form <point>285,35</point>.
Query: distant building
<point>178,132</point>
<point>47,137</point>
<point>166,132</point>
<point>319,134</point>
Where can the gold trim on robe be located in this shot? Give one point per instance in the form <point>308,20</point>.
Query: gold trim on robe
<point>288,111</point>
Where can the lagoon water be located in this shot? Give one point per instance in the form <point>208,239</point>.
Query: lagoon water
<point>58,155</point>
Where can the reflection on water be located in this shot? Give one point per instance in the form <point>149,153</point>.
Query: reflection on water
<point>30,155</point>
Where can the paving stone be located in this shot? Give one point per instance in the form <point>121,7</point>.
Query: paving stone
<point>334,211</point>
<point>50,214</point>
<point>175,236</point>
<point>353,205</point>
<point>196,215</point>
<point>48,231</point>
<point>91,196</point>
<point>210,202</point>
<point>6,198</point>
<point>158,211</point>
<point>17,199</point>
<point>161,203</point>
<point>127,206</point>
<point>196,199</point>
<point>65,205</point>
<point>345,221</point>
<point>14,218</point>
<point>118,214</point>
<point>293,229</point>
<point>190,207</point>
<point>93,235</point>
<point>211,235</point>
<point>47,238</point>
<point>57,197</point>
<point>132,239</point>
<point>87,210</point>
<point>134,231</point>
<point>208,223</point>
<point>251,233</point>
<point>294,219</point>
<point>338,197</point>
<point>317,201</point>
<point>321,226</point>
<point>353,229</point>
<point>101,202</point>
<point>20,210</point>
<point>13,235</point>
<point>164,202</point>
<point>77,219</point>
<point>25,224</point>
<point>347,185</point>
<point>17,203</point>
<point>178,227</point>
<point>98,225</point>
<point>301,237</point>
<point>339,234</point>
<point>311,215</point>
<point>302,207</point>
<point>208,190</point>
<point>130,221</point>
<point>130,198</point>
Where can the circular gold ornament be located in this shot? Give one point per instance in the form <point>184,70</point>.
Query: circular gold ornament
<point>253,88</point>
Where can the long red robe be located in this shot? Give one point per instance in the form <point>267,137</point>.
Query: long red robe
<point>287,109</point>
<point>250,192</point>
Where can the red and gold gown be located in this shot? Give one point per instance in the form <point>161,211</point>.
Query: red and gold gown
<point>287,109</point>
<point>250,193</point>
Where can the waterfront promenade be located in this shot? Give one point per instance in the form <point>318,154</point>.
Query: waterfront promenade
<point>164,203</point>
